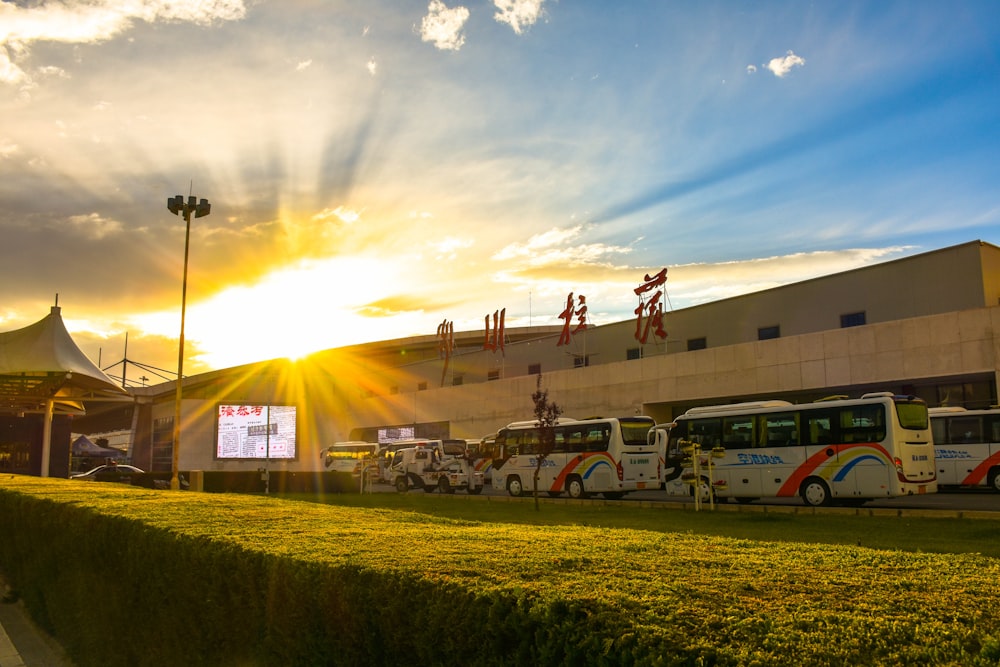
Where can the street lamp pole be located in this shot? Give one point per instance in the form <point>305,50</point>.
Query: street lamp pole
<point>177,205</point>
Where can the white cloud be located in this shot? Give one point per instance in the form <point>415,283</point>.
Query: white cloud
<point>782,66</point>
<point>94,226</point>
<point>95,21</point>
<point>519,14</point>
<point>555,247</point>
<point>751,69</point>
<point>340,213</point>
<point>449,247</point>
<point>372,66</point>
<point>443,26</point>
<point>553,237</point>
<point>9,72</point>
<point>7,148</point>
<point>303,65</point>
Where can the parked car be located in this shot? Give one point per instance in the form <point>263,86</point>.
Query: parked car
<point>111,472</point>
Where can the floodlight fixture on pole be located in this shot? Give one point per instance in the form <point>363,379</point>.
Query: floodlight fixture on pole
<point>177,206</point>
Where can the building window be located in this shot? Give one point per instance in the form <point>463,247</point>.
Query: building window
<point>633,353</point>
<point>852,320</point>
<point>457,380</point>
<point>579,361</point>
<point>534,369</point>
<point>697,343</point>
<point>421,386</point>
<point>767,333</point>
<point>492,375</point>
<point>163,444</point>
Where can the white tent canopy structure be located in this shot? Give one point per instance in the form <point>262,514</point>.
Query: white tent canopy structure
<point>43,371</point>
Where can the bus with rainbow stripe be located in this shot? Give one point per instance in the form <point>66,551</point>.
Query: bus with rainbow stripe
<point>832,451</point>
<point>967,447</point>
<point>608,456</point>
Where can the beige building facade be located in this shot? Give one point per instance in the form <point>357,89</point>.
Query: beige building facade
<point>927,325</point>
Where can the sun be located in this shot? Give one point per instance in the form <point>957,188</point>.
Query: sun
<point>290,312</point>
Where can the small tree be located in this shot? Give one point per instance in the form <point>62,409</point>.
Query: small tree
<point>546,417</point>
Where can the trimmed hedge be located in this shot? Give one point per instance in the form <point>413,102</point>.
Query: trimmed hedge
<point>130,576</point>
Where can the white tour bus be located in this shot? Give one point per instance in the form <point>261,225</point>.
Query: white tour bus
<point>967,446</point>
<point>834,450</point>
<point>610,456</point>
<point>350,458</point>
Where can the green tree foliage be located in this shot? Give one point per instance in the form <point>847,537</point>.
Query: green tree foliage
<point>546,417</point>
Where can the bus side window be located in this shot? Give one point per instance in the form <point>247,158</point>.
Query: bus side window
<point>598,439</point>
<point>781,430</point>
<point>965,430</point>
<point>819,430</point>
<point>939,431</point>
<point>574,440</point>
<point>706,432</point>
<point>529,441</point>
<point>737,432</point>
<point>993,428</point>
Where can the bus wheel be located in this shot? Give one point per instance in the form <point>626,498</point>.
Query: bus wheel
<point>995,479</point>
<point>574,486</point>
<point>554,494</point>
<point>815,492</point>
<point>474,490</point>
<point>401,485</point>
<point>444,485</point>
<point>514,487</point>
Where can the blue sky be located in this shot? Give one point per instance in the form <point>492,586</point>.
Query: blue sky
<point>376,168</point>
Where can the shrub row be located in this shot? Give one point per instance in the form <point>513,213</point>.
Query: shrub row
<point>131,576</point>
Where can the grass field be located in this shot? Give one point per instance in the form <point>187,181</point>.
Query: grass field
<point>774,524</point>
<point>572,584</point>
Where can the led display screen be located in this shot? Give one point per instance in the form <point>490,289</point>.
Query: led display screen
<point>255,432</point>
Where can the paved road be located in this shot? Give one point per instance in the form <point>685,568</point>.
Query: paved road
<point>23,644</point>
<point>974,500</point>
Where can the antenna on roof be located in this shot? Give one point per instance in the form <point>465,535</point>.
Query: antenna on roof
<point>57,299</point>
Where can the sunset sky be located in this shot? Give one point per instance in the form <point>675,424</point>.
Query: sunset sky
<point>378,167</point>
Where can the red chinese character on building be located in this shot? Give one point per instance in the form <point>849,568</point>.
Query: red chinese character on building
<point>446,339</point>
<point>651,307</point>
<point>446,343</point>
<point>494,340</point>
<point>567,317</point>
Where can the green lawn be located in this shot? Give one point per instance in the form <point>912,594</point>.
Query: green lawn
<point>207,579</point>
<point>776,523</point>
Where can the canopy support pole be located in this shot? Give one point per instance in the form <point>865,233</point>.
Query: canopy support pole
<point>47,437</point>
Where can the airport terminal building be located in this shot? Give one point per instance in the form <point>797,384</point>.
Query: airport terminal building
<point>926,325</point>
